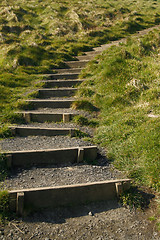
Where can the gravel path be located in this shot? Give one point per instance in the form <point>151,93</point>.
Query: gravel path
<point>65,175</point>
<point>40,142</point>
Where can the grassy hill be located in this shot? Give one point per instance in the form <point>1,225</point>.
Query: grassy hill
<point>124,83</point>
<point>37,36</point>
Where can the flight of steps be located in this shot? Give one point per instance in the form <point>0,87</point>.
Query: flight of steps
<point>54,105</point>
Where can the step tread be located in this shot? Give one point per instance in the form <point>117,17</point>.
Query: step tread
<point>68,80</point>
<point>55,74</point>
<point>41,143</point>
<point>46,128</point>
<point>50,100</point>
<point>49,150</point>
<point>72,185</point>
<point>58,89</point>
<point>78,61</point>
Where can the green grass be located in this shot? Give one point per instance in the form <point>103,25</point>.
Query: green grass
<point>127,91</point>
<point>83,121</point>
<point>4,196</point>
<point>38,36</point>
<point>4,206</point>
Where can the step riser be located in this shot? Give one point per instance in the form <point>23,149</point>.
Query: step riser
<point>93,53</point>
<point>56,93</point>
<point>84,57</point>
<point>44,117</point>
<point>105,46</point>
<point>37,199</point>
<point>24,132</point>
<point>62,76</point>
<point>77,64</point>
<point>47,104</point>
<point>57,157</point>
<point>65,83</point>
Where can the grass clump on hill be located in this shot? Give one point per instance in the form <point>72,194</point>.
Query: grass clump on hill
<point>38,36</point>
<point>126,89</point>
<point>4,206</point>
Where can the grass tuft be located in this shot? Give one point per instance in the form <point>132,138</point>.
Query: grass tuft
<point>84,104</point>
<point>4,206</point>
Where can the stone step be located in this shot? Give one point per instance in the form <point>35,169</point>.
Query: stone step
<point>94,53</point>
<point>49,103</point>
<point>60,76</point>
<point>77,64</point>
<point>61,83</point>
<point>56,92</point>
<point>41,117</point>
<point>64,196</point>
<point>69,70</point>
<point>40,131</point>
<point>50,156</point>
<point>105,46</point>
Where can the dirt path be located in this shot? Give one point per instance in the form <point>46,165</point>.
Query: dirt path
<point>104,220</point>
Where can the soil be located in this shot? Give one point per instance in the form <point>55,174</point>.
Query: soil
<point>95,221</point>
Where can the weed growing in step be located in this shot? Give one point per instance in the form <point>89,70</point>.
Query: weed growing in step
<point>3,167</point>
<point>80,134</point>
<point>84,104</point>
<point>135,198</point>
<point>80,120</point>
<point>4,196</point>
<point>5,132</point>
<point>4,206</point>
<point>83,121</point>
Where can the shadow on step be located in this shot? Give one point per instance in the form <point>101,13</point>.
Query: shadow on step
<point>59,215</point>
<point>89,210</point>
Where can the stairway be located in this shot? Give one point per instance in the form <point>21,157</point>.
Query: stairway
<point>52,106</point>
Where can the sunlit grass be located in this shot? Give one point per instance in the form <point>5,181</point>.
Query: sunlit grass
<point>125,87</point>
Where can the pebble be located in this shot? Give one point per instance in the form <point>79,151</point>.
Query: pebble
<point>91,214</point>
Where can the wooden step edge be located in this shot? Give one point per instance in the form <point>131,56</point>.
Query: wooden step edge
<point>61,80</point>
<point>49,100</point>
<point>64,196</point>
<point>78,61</point>
<point>41,131</point>
<point>57,89</point>
<point>43,157</point>
<point>41,117</point>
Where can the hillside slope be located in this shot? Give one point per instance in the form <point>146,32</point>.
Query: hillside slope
<point>37,36</point>
<point>123,83</point>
